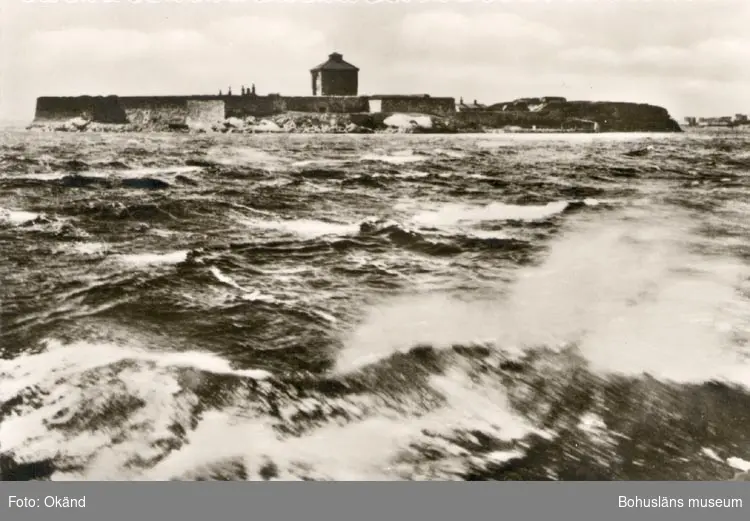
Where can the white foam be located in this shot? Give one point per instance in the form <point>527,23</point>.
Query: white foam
<point>248,295</point>
<point>375,448</point>
<point>399,157</point>
<point>501,456</point>
<point>84,391</point>
<point>325,316</point>
<point>457,213</point>
<point>489,234</point>
<point>16,217</point>
<point>90,248</point>
<point>150,259</point>
<point>591,423</point>
<point>404,322</point>
<point>167,171</point>
<point>307,228</point>
<point>257,296</point>
<point>626,290</point>
<point>739,464</point>
<point>59,361</point>
<point>85,380</point>
<point>40,176</point>
<point>236,156</point>
<point>710,453</point>
<point>224,278</point>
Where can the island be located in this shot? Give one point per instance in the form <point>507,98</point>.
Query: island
<point>336,107</point>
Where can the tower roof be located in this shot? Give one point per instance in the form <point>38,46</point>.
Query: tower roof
<point>335,63</point>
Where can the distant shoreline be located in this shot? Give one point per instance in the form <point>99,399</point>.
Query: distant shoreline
<point>345,114</point>
<point>129,129</point>
<point>377,123</point>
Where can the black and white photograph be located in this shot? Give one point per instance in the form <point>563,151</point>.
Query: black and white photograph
<point>374,240</point>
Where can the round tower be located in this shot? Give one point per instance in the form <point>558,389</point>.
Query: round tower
<point>335,77</point>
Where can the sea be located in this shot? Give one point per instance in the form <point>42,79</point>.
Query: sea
<point>374,307</point>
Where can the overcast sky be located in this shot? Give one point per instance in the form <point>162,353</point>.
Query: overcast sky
<point>690,56</point>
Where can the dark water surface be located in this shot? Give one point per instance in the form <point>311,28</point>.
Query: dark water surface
<point>374,307</point>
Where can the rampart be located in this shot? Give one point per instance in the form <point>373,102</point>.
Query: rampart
<point>106,109</point>
<point>334,104</point>
<point>260,106</point>
<point>419,104</point>
<point>173,109</point>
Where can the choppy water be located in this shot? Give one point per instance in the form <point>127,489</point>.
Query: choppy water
<point>374,307</point>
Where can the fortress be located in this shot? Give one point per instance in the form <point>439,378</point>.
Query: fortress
<point>335,85</point>
<point>334,90</point>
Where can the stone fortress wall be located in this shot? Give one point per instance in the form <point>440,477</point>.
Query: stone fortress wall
<point>168,111</point>
<point>174,109</point>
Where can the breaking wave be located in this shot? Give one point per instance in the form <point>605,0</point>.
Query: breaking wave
<point>343,308</point>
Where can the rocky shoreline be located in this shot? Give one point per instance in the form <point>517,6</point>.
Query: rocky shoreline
<point>297,123</point>
<point>354,123</point>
